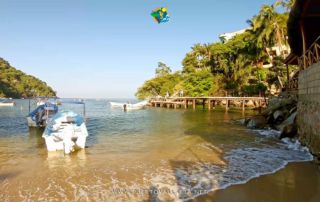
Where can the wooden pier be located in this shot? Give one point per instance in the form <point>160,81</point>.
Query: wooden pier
<point>210,102</point>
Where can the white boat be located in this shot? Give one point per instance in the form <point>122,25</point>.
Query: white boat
<point>117,104</point>
<point>43,100</point>
<point>41,115</point>
<point>128,106</point>
<point>7,103</point>
<point>65,131</point>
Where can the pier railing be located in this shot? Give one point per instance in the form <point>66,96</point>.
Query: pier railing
<point>311,56</point>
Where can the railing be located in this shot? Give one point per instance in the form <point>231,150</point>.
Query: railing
<point>311,56</point>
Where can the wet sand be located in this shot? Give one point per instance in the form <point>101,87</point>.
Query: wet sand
<point>297,182</point>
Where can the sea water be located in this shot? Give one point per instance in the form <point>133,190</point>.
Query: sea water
<point>150,154</point>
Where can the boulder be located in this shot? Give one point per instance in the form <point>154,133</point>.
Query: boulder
<point>244,121</point>
<point>257,122</point>
<point>292,110</point>
<point>250,103</point>
<point>288,128</point>
<point>237,103</point>
<point>223,102</point>
<point>289,131</point>
<point>278,116</point>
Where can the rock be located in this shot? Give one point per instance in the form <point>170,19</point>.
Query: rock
<point>289,131</point>
<point>244,121</point>
<point>257,122</point>
<point>237,103</point>
<point>293,110</point>
<point>223,102</point>
<point>288,128</point>
<point>250,103</point>
<point>278,116</point>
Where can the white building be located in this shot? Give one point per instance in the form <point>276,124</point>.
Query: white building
<point>229,35</point>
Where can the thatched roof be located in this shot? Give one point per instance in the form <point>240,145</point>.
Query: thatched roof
<point>306,12</point>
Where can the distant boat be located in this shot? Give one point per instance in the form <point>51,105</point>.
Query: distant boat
<point>128,106</point>
<point>65,131</point>
<point>43,100</point>
<point>117,104</point>
<point>41,115</point>
<point>7,103</point>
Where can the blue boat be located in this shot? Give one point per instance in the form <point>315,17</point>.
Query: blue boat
<point>41,115</point>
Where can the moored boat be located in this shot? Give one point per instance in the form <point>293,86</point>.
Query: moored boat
<point>7,103</point>
<point>117,104</point>
<point>65,131</point>
<point>43,100</point>
<point>41,115</point>
<point>128,106</point>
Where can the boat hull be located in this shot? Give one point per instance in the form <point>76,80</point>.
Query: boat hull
<point>63,135</point>
<point>31,123</point>
<point>9,104</point>
<point>129,107</point>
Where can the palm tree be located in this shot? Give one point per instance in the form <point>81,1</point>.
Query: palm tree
<point>287,4</point>
<point>202,54</point>
<point>269,27</point>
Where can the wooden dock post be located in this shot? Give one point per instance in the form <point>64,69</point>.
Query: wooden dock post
<point>227,104</point>
<point>243,105</point>
<point>203,103</point>
<point>211,101</point>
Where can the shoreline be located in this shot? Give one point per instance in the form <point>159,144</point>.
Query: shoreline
<point>296,182</point>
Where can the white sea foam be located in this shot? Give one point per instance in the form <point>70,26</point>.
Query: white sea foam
<point>271,133</point>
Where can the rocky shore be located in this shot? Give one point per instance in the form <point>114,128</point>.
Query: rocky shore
<point>280,115</point>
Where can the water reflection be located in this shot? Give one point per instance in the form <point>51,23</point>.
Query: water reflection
<point>59,159</point>
<point>35,136</point>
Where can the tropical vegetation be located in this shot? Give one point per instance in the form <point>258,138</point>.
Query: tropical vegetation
<point>235,66</point>
<point>16,84</point>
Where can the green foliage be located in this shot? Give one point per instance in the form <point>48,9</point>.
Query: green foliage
<point>261,74</point>
<point>159,85</point>
<point>162,69</point>
<point>254,89</point>
<point>200,83</point>
<point>16,84</point>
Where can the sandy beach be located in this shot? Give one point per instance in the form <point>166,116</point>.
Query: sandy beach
<point>295,183</point>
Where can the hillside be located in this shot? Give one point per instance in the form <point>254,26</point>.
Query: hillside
<point>16,84</point>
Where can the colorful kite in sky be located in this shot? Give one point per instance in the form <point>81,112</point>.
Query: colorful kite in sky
<point>160,15</point>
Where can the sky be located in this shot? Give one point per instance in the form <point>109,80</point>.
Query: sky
<point>107,49</point>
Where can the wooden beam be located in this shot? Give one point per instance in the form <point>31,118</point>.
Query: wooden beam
<point>304,44</point>
<point>243,105</point>
<point>227,104</point>
<point>203,103</point>
<point>288,75</point>
<point>194,104</point>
